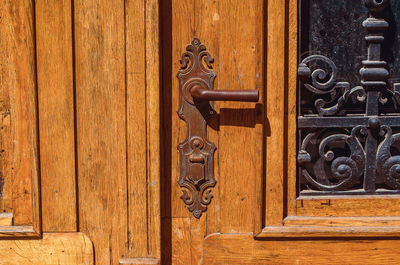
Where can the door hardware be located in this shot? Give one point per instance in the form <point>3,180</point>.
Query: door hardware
<point>196,84</point>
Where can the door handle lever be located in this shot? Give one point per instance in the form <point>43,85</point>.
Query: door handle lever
<point>196,84</point>
<point>202,94</point>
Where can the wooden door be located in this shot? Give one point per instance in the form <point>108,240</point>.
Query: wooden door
<point>89,132</point>
<point>259,213</point>
<point>79,174</point>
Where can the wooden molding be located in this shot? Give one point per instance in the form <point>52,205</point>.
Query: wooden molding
<point>19,231</point>
<point>328,231</point>
<point>243,249</point>
<point>313,216</point>
<point>19,162</point>
<point>6,219</point>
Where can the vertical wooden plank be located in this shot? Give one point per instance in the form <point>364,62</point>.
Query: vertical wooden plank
<point>56,120</point>
<point>292,88</point>
<point>7,81</point>
<point>101,125</point>
<point>275,112</point>
<point>19,154</point>
<point>143,128</point>
<point>240,145</point>
<point>153,126</point>
<point>260,80</point>
<point>136,128</point>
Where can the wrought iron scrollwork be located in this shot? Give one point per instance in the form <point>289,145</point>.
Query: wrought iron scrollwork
<point>344,170</point>
<point>388,166</point>
<point>329,87</point>
<point>347,144</point>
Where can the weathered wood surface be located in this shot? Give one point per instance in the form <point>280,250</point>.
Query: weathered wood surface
<point>19,168</point>
<point>233,33</point>
<point>276,100</point>
<point>143,122</point>
<point>140,261</point>
<point>243,249</point>
<point>102,90</point>
<point>117,87</point>
<point>101,126</point>
<point>52,249</point>
<point>56,119</point>
<point>6,219</point>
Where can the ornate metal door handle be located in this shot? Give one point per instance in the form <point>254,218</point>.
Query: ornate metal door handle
<point>196,83</point>
<point>201,94</point>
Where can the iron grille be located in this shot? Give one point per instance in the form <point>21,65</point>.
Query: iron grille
<point>348,130</point>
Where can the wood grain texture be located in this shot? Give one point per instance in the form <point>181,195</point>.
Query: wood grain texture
<point>207,27</point>
<point>181,33</point>
<point>275,112</point>
<point>18,109</point>
<point>101,125</point>
<point>291,108</point>
<point>378,205</point>
<point>136,129</point>
<point>243,249</point>
<point>181,241</point>
<point>153,127</point>
<point>342,221</point>
<point>143,121</point>
<point>240,134</point>
<point>231,32</point>
<point>57,248</point>
<point>327,231</point>
<point>19,231</point>
<point>56,119</point>
<point>140,261</point>
<point>6,219</point>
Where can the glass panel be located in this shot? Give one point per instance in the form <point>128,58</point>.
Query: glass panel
<point>334,28</point>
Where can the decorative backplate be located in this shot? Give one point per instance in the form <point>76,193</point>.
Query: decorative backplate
<point>349,136</point>
<point>196,152</point>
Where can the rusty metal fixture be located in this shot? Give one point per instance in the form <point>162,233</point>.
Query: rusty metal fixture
<point>196,83</point>
<point>344,151</point>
